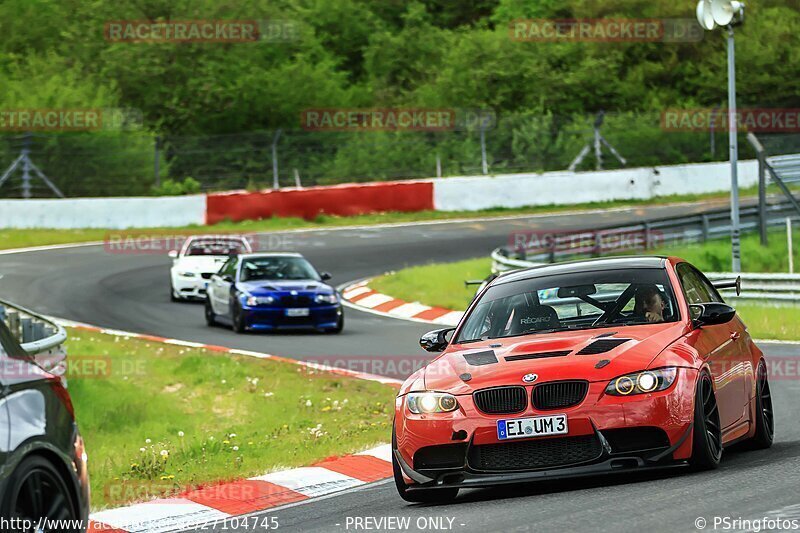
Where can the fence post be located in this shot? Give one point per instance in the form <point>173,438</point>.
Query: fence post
<point>706,227</point>
<point>647,236</point>
<point>762,198</point>
<point>598,245</point>
<point>13,323</point>
<point>27,329</point>
<point>438,166</point>
<point>484,162</point>
<point>156,162</point>
<point>275,184</point>
<point>789,242</point>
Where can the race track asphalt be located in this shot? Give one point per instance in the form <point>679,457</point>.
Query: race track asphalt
<point>130,292</point>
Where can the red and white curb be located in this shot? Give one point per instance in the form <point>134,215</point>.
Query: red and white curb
<point>211,505</point>
<point>235,351</point>
<point>360,296</point>
<point>216,503</point>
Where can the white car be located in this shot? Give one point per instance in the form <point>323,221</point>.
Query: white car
<point>199,258</point>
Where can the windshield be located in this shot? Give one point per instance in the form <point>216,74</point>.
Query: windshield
<point>215,247</point>
<point>278,269</point>
<point>583,300</point>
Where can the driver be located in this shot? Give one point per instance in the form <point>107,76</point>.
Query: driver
<point>649,303</point>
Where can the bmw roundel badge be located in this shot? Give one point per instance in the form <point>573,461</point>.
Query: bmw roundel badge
<point>530,378</point>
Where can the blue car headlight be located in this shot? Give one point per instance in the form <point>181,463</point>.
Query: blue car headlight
<point>326,298</point>
<point>253,301</point>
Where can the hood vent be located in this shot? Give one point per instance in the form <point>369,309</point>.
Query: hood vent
<point>540,355</point>
<point>602,346</point>
<point>480,358</point>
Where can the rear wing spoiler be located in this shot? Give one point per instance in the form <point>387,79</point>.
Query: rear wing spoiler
<point>729,284</point>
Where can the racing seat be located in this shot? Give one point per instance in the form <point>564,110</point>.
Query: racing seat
<point>533,317</point>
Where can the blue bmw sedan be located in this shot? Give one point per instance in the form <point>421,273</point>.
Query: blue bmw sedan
<point>271,291</point>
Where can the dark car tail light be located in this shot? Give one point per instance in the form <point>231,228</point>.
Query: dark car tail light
<point>60,390</point>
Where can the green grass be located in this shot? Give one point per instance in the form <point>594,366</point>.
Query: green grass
<point>715,256</point>
<point>218,416</point>
<point>443,284</point>
<point>12,238</point>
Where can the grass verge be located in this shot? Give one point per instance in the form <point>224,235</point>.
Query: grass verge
<point>158,419</point>
<point>443,284</point>
<point>13,238</point>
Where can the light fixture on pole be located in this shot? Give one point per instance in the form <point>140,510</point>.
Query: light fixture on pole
<point>710,14</point>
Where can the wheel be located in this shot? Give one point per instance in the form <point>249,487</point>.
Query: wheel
<point>237,318</point>
<point>417,496</point>
<point>172,296</point>
<point>765,419</point>
<point>339,326</point>
<point>36,490</point>
<point>707,434</point>
<point>211,318</point>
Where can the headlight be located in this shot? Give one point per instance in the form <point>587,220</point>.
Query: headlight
<point>326,298</point>
<point>253,301</point>
<point>642,382</point>
<point>187,274</point>
<point>431,402</point>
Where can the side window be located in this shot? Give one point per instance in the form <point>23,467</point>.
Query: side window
<point>712,291</point>
<point>694,287</point>
<point>229,268</point>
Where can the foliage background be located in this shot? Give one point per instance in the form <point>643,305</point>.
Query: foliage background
<point>216,107</point>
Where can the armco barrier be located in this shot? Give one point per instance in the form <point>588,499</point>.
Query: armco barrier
<point>341,200</point>
<point>40,337</point>
<point>755,286</point>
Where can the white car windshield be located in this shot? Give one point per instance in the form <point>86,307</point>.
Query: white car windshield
<point>215,247</point>
<point>277,269</point>
<point>581,300</point>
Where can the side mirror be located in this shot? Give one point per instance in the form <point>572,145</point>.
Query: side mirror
<point>325,276</point>
<point>711,314</point>
<point>173,254</point>
<point>435,341</point>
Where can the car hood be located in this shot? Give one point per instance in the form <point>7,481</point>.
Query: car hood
<point>204,264</point>
<point>267,287</point>
<point>627,349</point>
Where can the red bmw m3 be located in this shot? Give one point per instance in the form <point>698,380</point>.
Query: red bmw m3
<point>581,368</point>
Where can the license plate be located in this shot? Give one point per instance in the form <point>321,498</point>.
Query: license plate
<point>539,426</point>
<point>298,312</point>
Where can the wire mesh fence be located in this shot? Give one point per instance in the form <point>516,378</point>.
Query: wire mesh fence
<point>139,163</point>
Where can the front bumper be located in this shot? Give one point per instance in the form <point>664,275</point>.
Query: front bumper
<point>462,449</point>
<point>190,288</point>
<point>273,318</point>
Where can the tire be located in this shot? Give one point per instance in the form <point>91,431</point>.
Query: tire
<point>339,326</point>
<point>417,496</point>
<point>172,296</point>
<point>36,475</point>
<point>211,318</point>
<point>237,319</point>
<point>707,434</point>
<point>765,418</point>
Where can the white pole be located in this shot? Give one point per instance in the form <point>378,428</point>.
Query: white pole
<point>789,241</point>
<point>734,154</point>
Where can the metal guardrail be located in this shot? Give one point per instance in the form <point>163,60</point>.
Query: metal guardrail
<point>777,287</point>
<point>40,337</point>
